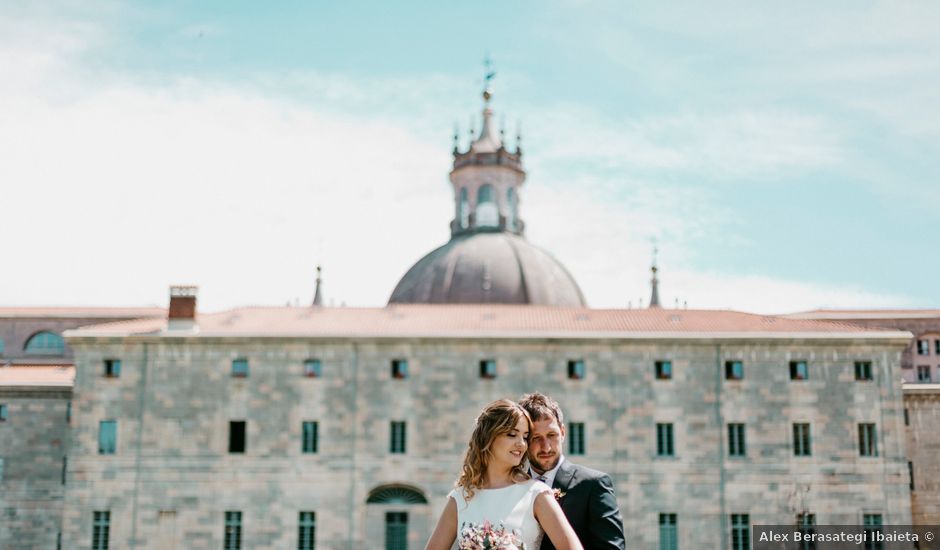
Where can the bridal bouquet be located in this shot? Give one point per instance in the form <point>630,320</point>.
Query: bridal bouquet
<point>486,536</point>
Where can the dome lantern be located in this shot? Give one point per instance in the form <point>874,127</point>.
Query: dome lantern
<point>487,259</point>
<point>486,178</point>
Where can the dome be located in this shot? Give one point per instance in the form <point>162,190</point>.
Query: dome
<point>488,267</point>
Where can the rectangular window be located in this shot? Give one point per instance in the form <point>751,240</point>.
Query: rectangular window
<point>576,369</point>
<point>233,530</point>
<point>68,412</point>
<point>863,370</point>
<point>100,530</point>
<point>107,437</point>
<point>802,443</point>
<point>910,473</point>
<point>663,370</point>
<point>907,418</point>
<point>740,532</point>
<point>309,437</point>
<point>3,412</point>
<point>867,444</point>
<point>396,530</point>
<point>807,524</point>
<point>799,370</point>
<point>576,438</point>
<point>240,368</point>
<point>734,370</point>
<point>737,445</point>
<point>236,436</point>
<point>936,347</point>
<point>923,374</point>
<point>488,368</point>
<point>65,468</point>
<point>872,523</point>
<point>923,347</point>
<point>313,368</point>
<point>397,439</point>
<point>665,446</point>
<point>400,368</point>
<point>307,539</point>
<point>112,368</point>
<point>668,534</point>
<point>2,465</point>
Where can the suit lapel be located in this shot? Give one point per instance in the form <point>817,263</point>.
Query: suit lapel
<point>564,476</point>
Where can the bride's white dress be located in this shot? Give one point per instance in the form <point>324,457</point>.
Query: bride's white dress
<point>513,507</point>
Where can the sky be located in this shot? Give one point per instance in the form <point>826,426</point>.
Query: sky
<point>782,156</point>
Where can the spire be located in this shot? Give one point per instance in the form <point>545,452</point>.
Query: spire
<point>654,282</point>
<point>488,141</point>
<point>317,295</point>
<point>487,176</point>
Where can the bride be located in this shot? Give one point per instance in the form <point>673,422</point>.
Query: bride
<point>494,495</point>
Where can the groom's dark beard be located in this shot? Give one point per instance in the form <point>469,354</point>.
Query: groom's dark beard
<point>537,468</point>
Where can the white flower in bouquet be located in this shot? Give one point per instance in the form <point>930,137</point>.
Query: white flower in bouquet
<point>486,536</point>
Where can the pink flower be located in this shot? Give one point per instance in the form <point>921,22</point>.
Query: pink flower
<point>486,536</point>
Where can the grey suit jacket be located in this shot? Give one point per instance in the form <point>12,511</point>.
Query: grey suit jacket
<point>590,506</point>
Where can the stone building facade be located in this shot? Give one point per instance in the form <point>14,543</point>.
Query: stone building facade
<point>32,335</point>
<point>34,435</point>
<point>920,362</point>
<point>172,477</point>
<point>920,375</point>
<point>922,415</point>
<point>36,375</point>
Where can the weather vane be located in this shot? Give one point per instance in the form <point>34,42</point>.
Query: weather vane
<point>488,75</point>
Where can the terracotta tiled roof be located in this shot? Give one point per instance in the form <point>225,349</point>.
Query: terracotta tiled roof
<point>838,314</point>
<point>80,312</point>
<point>37,375</point>
<point>421,320</point>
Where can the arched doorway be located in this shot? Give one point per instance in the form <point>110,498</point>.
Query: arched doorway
<point>397,517</point>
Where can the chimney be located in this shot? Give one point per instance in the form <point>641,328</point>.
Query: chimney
<point>182,313</point>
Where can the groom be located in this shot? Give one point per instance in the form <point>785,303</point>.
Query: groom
<point>588,499</point>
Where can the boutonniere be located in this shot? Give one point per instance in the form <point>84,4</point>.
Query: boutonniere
<point>558,494</point>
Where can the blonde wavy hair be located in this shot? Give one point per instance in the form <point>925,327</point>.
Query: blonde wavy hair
<point>498,418</point>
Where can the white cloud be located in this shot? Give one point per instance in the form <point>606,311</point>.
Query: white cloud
<point>714,146</point>
<point>133,189</point>
<point>765,294</point>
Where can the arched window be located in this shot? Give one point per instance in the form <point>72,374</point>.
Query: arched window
<point>487,211</point>
<point>463,213</point>
<point>396,494</point>
<point>513,208</point>
<point>45,343</point>
<point>485,194</point>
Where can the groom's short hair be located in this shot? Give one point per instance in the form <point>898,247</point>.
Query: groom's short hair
<point>541,406</point>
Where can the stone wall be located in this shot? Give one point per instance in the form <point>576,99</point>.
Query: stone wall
<point>33,442</point>
<point>923,444</point>
<point>172,479</point>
